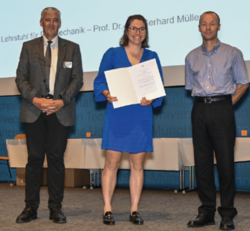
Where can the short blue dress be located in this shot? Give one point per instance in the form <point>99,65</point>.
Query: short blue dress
<point>129,128</point>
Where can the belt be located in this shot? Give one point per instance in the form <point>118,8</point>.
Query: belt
<point>212,99</point>
<point>49,96</point>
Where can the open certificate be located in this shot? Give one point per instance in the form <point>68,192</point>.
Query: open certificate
<point>130,84</point>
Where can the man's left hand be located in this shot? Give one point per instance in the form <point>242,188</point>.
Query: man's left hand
<point>57,105</point>
<point>240,89</point>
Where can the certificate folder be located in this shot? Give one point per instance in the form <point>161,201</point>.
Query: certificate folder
<point>130,84</point>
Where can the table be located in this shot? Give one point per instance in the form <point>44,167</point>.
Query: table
<point>241,153</point>
<point>170,154</point>
<point>87,154</point>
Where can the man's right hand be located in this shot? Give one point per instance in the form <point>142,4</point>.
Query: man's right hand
<point>46,105</point>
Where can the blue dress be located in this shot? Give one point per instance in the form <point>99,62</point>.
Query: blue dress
<point>129,128</point>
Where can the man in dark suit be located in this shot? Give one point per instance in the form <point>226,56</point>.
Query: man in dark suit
<point>49,76</point>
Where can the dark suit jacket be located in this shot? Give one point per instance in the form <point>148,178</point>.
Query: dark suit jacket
<point>31,75</point>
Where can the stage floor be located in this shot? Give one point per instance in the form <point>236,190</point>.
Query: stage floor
<point>161,210</point>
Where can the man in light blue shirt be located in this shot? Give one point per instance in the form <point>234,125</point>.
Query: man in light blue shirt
<point>217,76</point>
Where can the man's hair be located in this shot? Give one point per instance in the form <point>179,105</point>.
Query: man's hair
<point>210,12</point>
<point>49,9</point>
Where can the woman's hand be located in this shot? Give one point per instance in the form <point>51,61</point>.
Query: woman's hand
<point>146,102</point>
<point>110,98</point>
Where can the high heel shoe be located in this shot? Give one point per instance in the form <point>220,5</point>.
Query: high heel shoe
<point>108,218</point>
<point>136,218</point>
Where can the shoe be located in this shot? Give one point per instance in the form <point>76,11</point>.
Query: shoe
<point>28,214</point>
<point>57,215</point>
<point>136,218</point>
<point>108,218</point>
<point>227,223</point>
<point>201,220</point>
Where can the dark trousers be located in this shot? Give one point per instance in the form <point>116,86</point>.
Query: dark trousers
<point>45,135</point>
<point>214,130</point>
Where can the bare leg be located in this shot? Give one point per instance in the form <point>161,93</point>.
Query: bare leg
<point>136,162</point>
<point>109,176</point>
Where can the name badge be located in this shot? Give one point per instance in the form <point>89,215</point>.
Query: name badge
<point>67,64</point>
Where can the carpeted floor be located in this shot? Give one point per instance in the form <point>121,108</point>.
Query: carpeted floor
<point>161,210</point>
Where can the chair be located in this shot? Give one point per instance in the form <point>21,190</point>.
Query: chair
<point>6,158</point>
<point>20,137</point>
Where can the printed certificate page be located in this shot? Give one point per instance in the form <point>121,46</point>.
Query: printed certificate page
<point>130,84</point>
<point>120,86</point>
<point>147,80</point>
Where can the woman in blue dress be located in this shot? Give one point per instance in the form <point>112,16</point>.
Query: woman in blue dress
<point>129,128</point>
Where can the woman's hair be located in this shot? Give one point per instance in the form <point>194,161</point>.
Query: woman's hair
<point>124,39</point>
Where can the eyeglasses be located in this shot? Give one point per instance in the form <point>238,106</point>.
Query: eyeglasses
<point>135,29</point>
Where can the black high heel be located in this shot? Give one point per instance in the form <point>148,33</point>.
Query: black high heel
<point>108,218</point>
<point>136,218</point>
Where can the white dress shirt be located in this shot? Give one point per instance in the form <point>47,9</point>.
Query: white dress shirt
<point>54,57</point>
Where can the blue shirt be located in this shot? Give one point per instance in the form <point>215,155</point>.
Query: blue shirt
<point>215,72</point>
